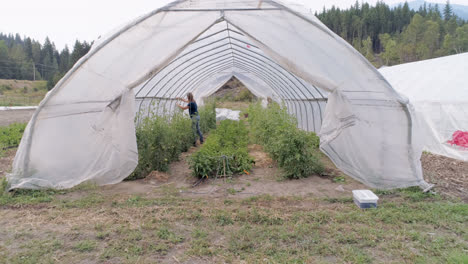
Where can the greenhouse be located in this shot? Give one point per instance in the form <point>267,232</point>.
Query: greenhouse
<point>439,92</point>
<point>84,130</point>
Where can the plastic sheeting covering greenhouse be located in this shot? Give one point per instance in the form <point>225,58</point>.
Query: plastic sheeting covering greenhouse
<point>85,128</point>
<point>438,89</point>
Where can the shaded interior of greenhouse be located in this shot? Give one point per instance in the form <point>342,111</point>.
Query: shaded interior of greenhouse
<point>211,60</point>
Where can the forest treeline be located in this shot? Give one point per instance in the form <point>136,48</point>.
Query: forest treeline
<point>384,35</point>
<point>389,36</point>
<point>28,59</point>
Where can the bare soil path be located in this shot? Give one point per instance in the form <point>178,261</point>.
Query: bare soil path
<point>15,116</point>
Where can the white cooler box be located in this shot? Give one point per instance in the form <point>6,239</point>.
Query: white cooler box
<point>365,199</point>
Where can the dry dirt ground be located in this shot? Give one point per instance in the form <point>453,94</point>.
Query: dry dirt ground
<point>15,116</point>
<point>264,179</point>
<point>449,176</point>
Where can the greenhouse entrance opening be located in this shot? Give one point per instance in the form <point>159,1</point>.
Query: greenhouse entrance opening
<point>277,49</point>
<point>233,90</point>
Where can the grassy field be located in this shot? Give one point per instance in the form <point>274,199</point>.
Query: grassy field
<point>22,93</point>
<point>89,225</point>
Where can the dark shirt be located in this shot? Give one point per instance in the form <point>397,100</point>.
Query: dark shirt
<point>193,109</point>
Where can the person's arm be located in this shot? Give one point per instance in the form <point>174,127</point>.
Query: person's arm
<point>182,107</point>
<point>182,99</point>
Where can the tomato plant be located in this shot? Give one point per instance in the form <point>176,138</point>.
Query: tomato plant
<point>295,150</point>
<point>161,139</point>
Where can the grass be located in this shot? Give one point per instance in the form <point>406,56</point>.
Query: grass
<point>22,93</point>
<point>10,136</point>
<point>407,227</point>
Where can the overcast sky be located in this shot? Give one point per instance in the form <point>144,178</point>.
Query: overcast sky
<point>66,21</point>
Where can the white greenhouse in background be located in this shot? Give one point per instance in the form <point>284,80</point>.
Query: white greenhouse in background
<point>438,89</point>
<point>85,127</point>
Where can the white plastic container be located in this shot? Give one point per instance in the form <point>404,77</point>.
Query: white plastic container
<point>365,199</point>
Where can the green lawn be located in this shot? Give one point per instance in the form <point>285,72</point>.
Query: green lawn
<point>88,225</point>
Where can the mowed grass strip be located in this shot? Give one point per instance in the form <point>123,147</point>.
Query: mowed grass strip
<point>163,226</point>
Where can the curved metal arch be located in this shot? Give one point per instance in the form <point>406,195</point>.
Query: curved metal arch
<point>275,63</point>
<point>274,78</point>
<point>219,69</point>
<point>139,109</point>
<point>198,70</point>
<point>188,74</point>
<point>281,67</point>
<point>260,72</point>
<point>176,67</point>
<point>195,66</point>
<point>229,37</point>
<point>180,72</point>
<point>206,75</point>
<point>294,76</point>
<point>221,65</point>
<point>261,75</point>
<point>191,51</point>
<point>186,88</point>
<point>293,83</point>
<point>271,75</point>
<point>182,56</point>
<point>288,102</point>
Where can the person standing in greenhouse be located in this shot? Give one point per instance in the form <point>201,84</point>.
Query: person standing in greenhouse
<point>193,111</point>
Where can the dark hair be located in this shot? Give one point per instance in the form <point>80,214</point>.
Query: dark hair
<point>190,97</point>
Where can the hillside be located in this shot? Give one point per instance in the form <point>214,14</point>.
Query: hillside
<point>21,92</point>
<point>233,90</point>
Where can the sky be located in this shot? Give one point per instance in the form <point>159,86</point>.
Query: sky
<point>66,21</point>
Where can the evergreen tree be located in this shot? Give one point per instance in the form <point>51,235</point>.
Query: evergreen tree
<point>78,50</point>
<point>5,65</point>
<point>448,11</point>
<point>64,60</point>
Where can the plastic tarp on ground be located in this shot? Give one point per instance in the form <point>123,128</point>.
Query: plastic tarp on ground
<point>223,114</point>
<point>84,128</point>
<point>438,89</point>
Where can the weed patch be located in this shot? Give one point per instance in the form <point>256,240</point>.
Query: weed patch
<point>10,136</point>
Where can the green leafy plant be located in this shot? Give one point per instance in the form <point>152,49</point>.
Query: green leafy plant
<point>207,114</point>
<point>224,152</point>
<point>295,150</point>
<point>245,95</point>
<point>161,139</point>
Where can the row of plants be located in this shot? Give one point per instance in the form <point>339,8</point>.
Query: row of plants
<point>296,151</point>
<point>224,153</point>
<point>207,114</point>
<point>10,136</point>
<point>161,139</point>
